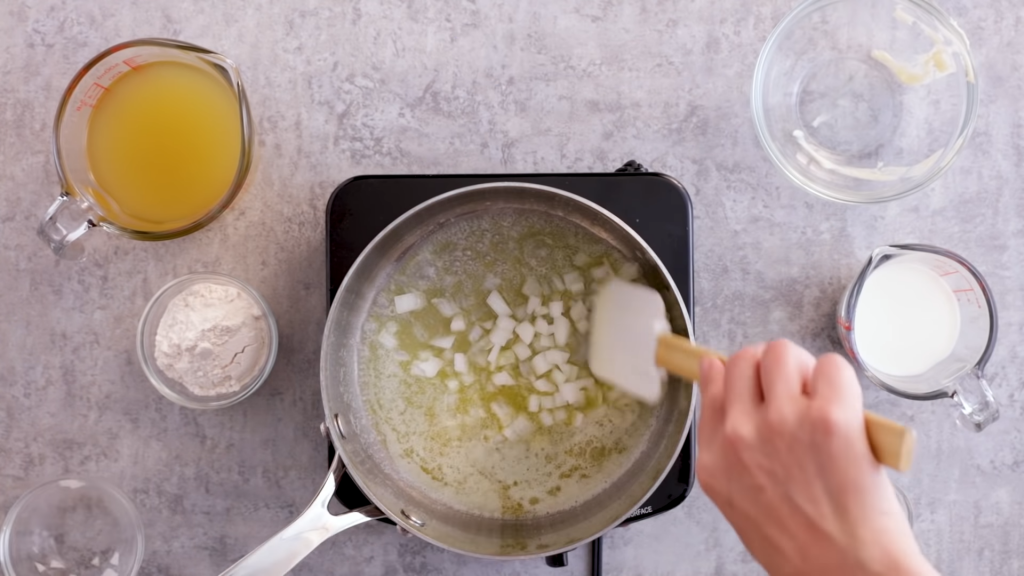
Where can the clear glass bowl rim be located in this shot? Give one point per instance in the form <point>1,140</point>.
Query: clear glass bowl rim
<point>966,126</point>
<point>24,499</point>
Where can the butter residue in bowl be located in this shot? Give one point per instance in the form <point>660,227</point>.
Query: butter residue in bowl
<point>938,62</point>
<point>880,173</point>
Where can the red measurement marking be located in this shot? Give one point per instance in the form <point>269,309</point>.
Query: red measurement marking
<point>950,273</point>
<point>132,62</point>
<point>963,290</point>
<point>88,99</point>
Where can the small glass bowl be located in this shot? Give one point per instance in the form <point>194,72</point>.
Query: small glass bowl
<point>865,101</point>
<point>175,390</point>
<point>81,526</point>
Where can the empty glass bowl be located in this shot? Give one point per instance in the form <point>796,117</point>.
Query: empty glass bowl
<point>80,526</point>
<point>865,100</point>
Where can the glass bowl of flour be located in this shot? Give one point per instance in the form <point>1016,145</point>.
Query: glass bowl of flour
<point>207,340</point>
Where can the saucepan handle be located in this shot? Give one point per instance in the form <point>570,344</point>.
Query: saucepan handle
<point>284,550</point>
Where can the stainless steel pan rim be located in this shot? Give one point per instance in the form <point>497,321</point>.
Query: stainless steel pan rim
<point>337,434</point>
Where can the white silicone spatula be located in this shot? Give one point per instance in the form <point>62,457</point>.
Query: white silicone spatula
<point>631,342</point>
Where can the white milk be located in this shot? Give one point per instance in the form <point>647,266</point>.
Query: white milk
<point>907,319</point>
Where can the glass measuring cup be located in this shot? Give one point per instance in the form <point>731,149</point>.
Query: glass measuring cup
<point>80,206</point>
<point>960,373</point>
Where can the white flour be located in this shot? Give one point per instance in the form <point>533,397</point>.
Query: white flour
<point>212,339</point>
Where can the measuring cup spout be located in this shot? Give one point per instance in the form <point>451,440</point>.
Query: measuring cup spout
<point>978,408</point>
<point>64,224</point>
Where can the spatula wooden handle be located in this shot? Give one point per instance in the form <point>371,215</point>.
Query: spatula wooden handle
<point>891,442</point>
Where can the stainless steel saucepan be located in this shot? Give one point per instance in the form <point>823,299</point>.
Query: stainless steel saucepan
<point>362,453</point>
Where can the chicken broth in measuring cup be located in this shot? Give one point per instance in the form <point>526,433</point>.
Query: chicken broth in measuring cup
<point>473,367</point>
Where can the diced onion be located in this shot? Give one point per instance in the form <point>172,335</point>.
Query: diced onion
<point>519,428</point>
<point>629,271</point>
<point>557,357</point>
<point>542,385</point>
<point>578,312</point>
<point>557,376</point>
<point>446,307</point>
<point>577,419</point>
<point>556,308</point>
<point>540,364</point>
<point>458,323</point>
<point>533,404</point>
<point>444,342</point>
<point>532,304</point>
<point>522,351</point>
<point>502,379</point>
<point>525,370</point>
<point>497,303</point>
<point>585,382</point>
<point>532,288</point>
<point>388,340</point>
<point>525,330</point>
<point>529,342</point>
<point>574,282</point>
<point>428,368</point>
<point>499,337</point>
<point>546,419</point>
<point>571,371</point>
<point>506,357</point>
<point>409,302</point>
<point>571,391</point>
<point>602,272</point>
<point>542,327</point>
<point>560,400</point>
<point>556,284</point>
<point>561,328</point>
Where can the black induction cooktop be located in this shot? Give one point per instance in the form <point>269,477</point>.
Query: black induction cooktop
<point>656,206</point>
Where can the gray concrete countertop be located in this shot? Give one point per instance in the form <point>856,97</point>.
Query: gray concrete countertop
<point>346,88</point>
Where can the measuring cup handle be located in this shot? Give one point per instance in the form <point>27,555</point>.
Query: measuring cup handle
<point>67,220</point>
<point>978,409</point>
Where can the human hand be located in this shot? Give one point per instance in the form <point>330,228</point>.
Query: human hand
<point>783,453</point>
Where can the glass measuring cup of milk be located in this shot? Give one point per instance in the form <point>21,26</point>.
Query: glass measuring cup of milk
<point>152,140</point>
<point>921,323</point>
